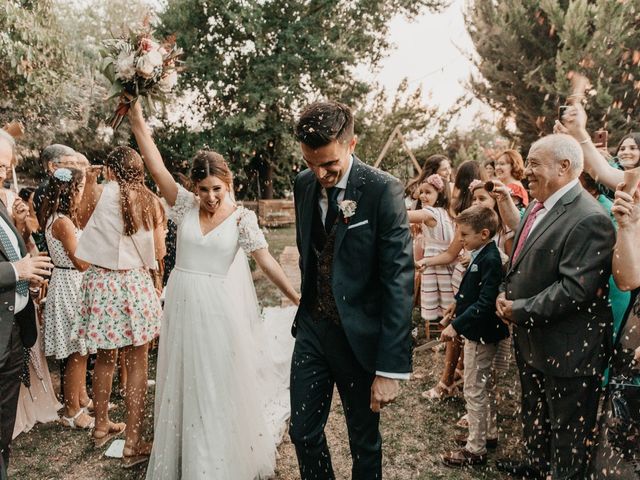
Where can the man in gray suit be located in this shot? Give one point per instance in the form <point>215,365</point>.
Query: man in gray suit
<point>555,295</point>
<point>17,314</point>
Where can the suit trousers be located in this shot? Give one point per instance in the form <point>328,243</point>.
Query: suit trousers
<point>558,418</point>
<point>322,359</point>
<point>10,368</point>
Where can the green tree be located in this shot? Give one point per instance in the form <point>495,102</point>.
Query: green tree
<point>99,21</point>
<point>527,49</point>
<point>35,67</point>
<point>48,66</point>
<point>255,64</point>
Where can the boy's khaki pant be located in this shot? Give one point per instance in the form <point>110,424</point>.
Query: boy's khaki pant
<point>480,394</point>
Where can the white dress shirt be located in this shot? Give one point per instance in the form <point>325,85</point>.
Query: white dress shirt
<point>474,253</point>
<point>20,300</point>
<point>324,207</point>
<point>550,202</point>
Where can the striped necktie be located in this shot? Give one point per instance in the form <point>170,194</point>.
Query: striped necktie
<point>22,287</point>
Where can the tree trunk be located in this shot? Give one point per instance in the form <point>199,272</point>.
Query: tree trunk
<point>265,179</point>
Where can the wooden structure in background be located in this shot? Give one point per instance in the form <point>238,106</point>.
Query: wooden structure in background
<point>276,213</point>
<point>397,133</point>
<point>273,213</point>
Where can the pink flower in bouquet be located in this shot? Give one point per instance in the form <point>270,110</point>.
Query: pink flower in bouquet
<point>138,66</point>
<point>148,45</point>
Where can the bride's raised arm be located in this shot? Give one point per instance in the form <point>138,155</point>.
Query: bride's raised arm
<point>151,155</point>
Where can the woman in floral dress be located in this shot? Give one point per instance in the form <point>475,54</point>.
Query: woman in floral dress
<point>119,307</point>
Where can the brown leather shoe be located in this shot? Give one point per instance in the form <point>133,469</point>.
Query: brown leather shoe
<point>462,458</point>
<point>461,439</point>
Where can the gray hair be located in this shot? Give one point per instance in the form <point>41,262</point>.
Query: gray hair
<point>6,136</point>
<point>54,153</point>
<point>563,147</point>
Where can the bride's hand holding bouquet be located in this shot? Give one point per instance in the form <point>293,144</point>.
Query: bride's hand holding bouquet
<point>139,66</point>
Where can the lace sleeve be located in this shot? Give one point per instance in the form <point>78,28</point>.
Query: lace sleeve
<point>251,236</point>
<point>185,201</point>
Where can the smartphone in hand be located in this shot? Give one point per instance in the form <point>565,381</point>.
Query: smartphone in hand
<point>561,110</point>
<point>600,138</point>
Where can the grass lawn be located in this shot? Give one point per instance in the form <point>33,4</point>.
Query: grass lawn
<point>414,431</point>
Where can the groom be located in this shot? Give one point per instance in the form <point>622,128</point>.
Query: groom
<point>353,326</point>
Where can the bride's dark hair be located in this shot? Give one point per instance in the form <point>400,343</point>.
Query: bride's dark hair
<point>206,163</point>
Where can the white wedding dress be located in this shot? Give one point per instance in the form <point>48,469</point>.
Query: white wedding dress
<point>222,398</point>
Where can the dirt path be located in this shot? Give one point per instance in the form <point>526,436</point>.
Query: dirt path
<point>414,431</point>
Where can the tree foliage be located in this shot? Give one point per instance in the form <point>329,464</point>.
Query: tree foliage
<point>418,123</point>
<point>48,60</point>
<point>527,49</point>
<point>255,64</point>
<point>35,66</point>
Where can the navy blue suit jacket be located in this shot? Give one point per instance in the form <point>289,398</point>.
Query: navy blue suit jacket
<point>476,317</point>
<point>372,275</point>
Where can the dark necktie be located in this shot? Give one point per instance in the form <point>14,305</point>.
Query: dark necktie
<point>22,287</point>
<point>332,208</point>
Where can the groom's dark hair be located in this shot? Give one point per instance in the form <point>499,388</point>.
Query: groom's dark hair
<point>324,122</point>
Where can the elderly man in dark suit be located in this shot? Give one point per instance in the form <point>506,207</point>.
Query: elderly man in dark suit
<point>17,314</point>
<point>353,325</point>
<point>555,295</point>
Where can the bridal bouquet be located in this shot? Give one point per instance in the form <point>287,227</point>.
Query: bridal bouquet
<point>139,66</point>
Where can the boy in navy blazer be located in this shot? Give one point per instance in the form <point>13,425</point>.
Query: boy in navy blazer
<point>476,321</point>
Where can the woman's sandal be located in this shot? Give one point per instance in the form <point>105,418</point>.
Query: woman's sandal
<point>90,408</point>
<point>115,429</point>
<point>72,422</point>
<point>440,392</point>
<point>135,456</point>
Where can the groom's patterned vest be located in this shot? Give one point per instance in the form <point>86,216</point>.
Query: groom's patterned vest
<point>322,246</point>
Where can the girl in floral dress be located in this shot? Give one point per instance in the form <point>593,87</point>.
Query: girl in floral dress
<point>58,216</point>
<point>119,307</point>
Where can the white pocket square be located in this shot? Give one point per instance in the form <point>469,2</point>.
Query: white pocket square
<point>474,268</point>
<point>359,224</point>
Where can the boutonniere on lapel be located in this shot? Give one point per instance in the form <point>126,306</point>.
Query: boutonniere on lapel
<point>348,209</point>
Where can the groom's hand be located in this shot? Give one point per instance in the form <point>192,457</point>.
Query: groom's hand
<point>383,391</point>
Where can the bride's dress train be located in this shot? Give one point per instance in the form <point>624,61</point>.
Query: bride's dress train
<point>223,371</point>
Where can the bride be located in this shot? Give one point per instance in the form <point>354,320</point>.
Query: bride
<point>218,414</point>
